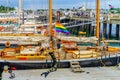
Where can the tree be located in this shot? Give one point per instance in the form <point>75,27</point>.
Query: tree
<point>61,9</point>
<point>29,11</point>
<point>68,9</point>
<point>4,9</point>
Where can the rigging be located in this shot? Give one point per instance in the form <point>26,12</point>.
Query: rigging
<point>51,52</point>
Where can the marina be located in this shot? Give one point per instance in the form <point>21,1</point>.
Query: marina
<point>70,42</point>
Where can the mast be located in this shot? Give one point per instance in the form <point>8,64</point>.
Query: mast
<point>58,16</point>
<point>97,18</point>
<point>50,23</point>
<point>7,6</point>
<point>19,10</point>
<point>22,6</point>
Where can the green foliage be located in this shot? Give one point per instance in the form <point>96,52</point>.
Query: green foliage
<point>115,10</point>
<point>118,10</point>
<point>4,9</point>
<point>68,9</point>
<point>61,9</point>
<point>29,11</point>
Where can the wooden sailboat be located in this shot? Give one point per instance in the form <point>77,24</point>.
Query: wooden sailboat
<point>39,64</point>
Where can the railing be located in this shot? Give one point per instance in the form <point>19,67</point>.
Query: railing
<point>77,23</point>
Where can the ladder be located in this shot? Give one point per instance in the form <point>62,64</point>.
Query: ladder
<point>75,66</point>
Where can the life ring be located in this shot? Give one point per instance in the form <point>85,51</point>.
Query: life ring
<point>7,44</point>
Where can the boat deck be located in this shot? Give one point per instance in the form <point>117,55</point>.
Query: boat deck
<point>97,73</point>
<point>83,54</point>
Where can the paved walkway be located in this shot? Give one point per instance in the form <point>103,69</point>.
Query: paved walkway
<point>105,73</point>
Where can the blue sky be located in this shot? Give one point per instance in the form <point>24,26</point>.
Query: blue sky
<point>36,4</point>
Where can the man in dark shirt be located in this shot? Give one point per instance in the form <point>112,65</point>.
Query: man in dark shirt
<point>59,44</point>
<point>58,47</point>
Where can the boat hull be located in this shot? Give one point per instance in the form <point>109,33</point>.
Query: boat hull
<point>93,62</point>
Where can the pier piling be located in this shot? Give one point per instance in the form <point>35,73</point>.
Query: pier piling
<point>110,29</point>
<point>117,31</point>
<point>105,30</point>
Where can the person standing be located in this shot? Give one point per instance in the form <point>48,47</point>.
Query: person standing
<point>59,47</point>
<point>59,44</point>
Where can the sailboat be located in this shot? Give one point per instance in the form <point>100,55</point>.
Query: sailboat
<point>36,61</point>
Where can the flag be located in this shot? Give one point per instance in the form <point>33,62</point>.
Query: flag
<point>110,6</point>
<point>61,28</point>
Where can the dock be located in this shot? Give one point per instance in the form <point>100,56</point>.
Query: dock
<point>94,73</point>
<point>112,41</point>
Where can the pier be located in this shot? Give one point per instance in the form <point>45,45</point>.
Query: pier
<point>88,25</point>
<point>98,73</point>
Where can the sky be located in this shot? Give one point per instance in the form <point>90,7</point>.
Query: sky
<point>38,4</point>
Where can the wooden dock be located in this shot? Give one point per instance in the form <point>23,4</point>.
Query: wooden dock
<point>112,41</point>
<point>96,73</point>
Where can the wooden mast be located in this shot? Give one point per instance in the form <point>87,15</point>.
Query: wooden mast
<point>97,19</point>
<point>50,23</point>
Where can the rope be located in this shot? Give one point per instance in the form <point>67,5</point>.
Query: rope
<point>113,68</point>
<point>102,62</point>
<point>12,75</point>
<point>53,67</point>
<point>117,62</point>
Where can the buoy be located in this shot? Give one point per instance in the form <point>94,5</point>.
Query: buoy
<point>82,33</point>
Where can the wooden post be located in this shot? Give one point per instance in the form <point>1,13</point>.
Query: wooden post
<point>110,29</point>
<point>105,30</point>
<point>117,31</point>
<point>93,30</point>
<point>77,30</point>
<point>89,30</point>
